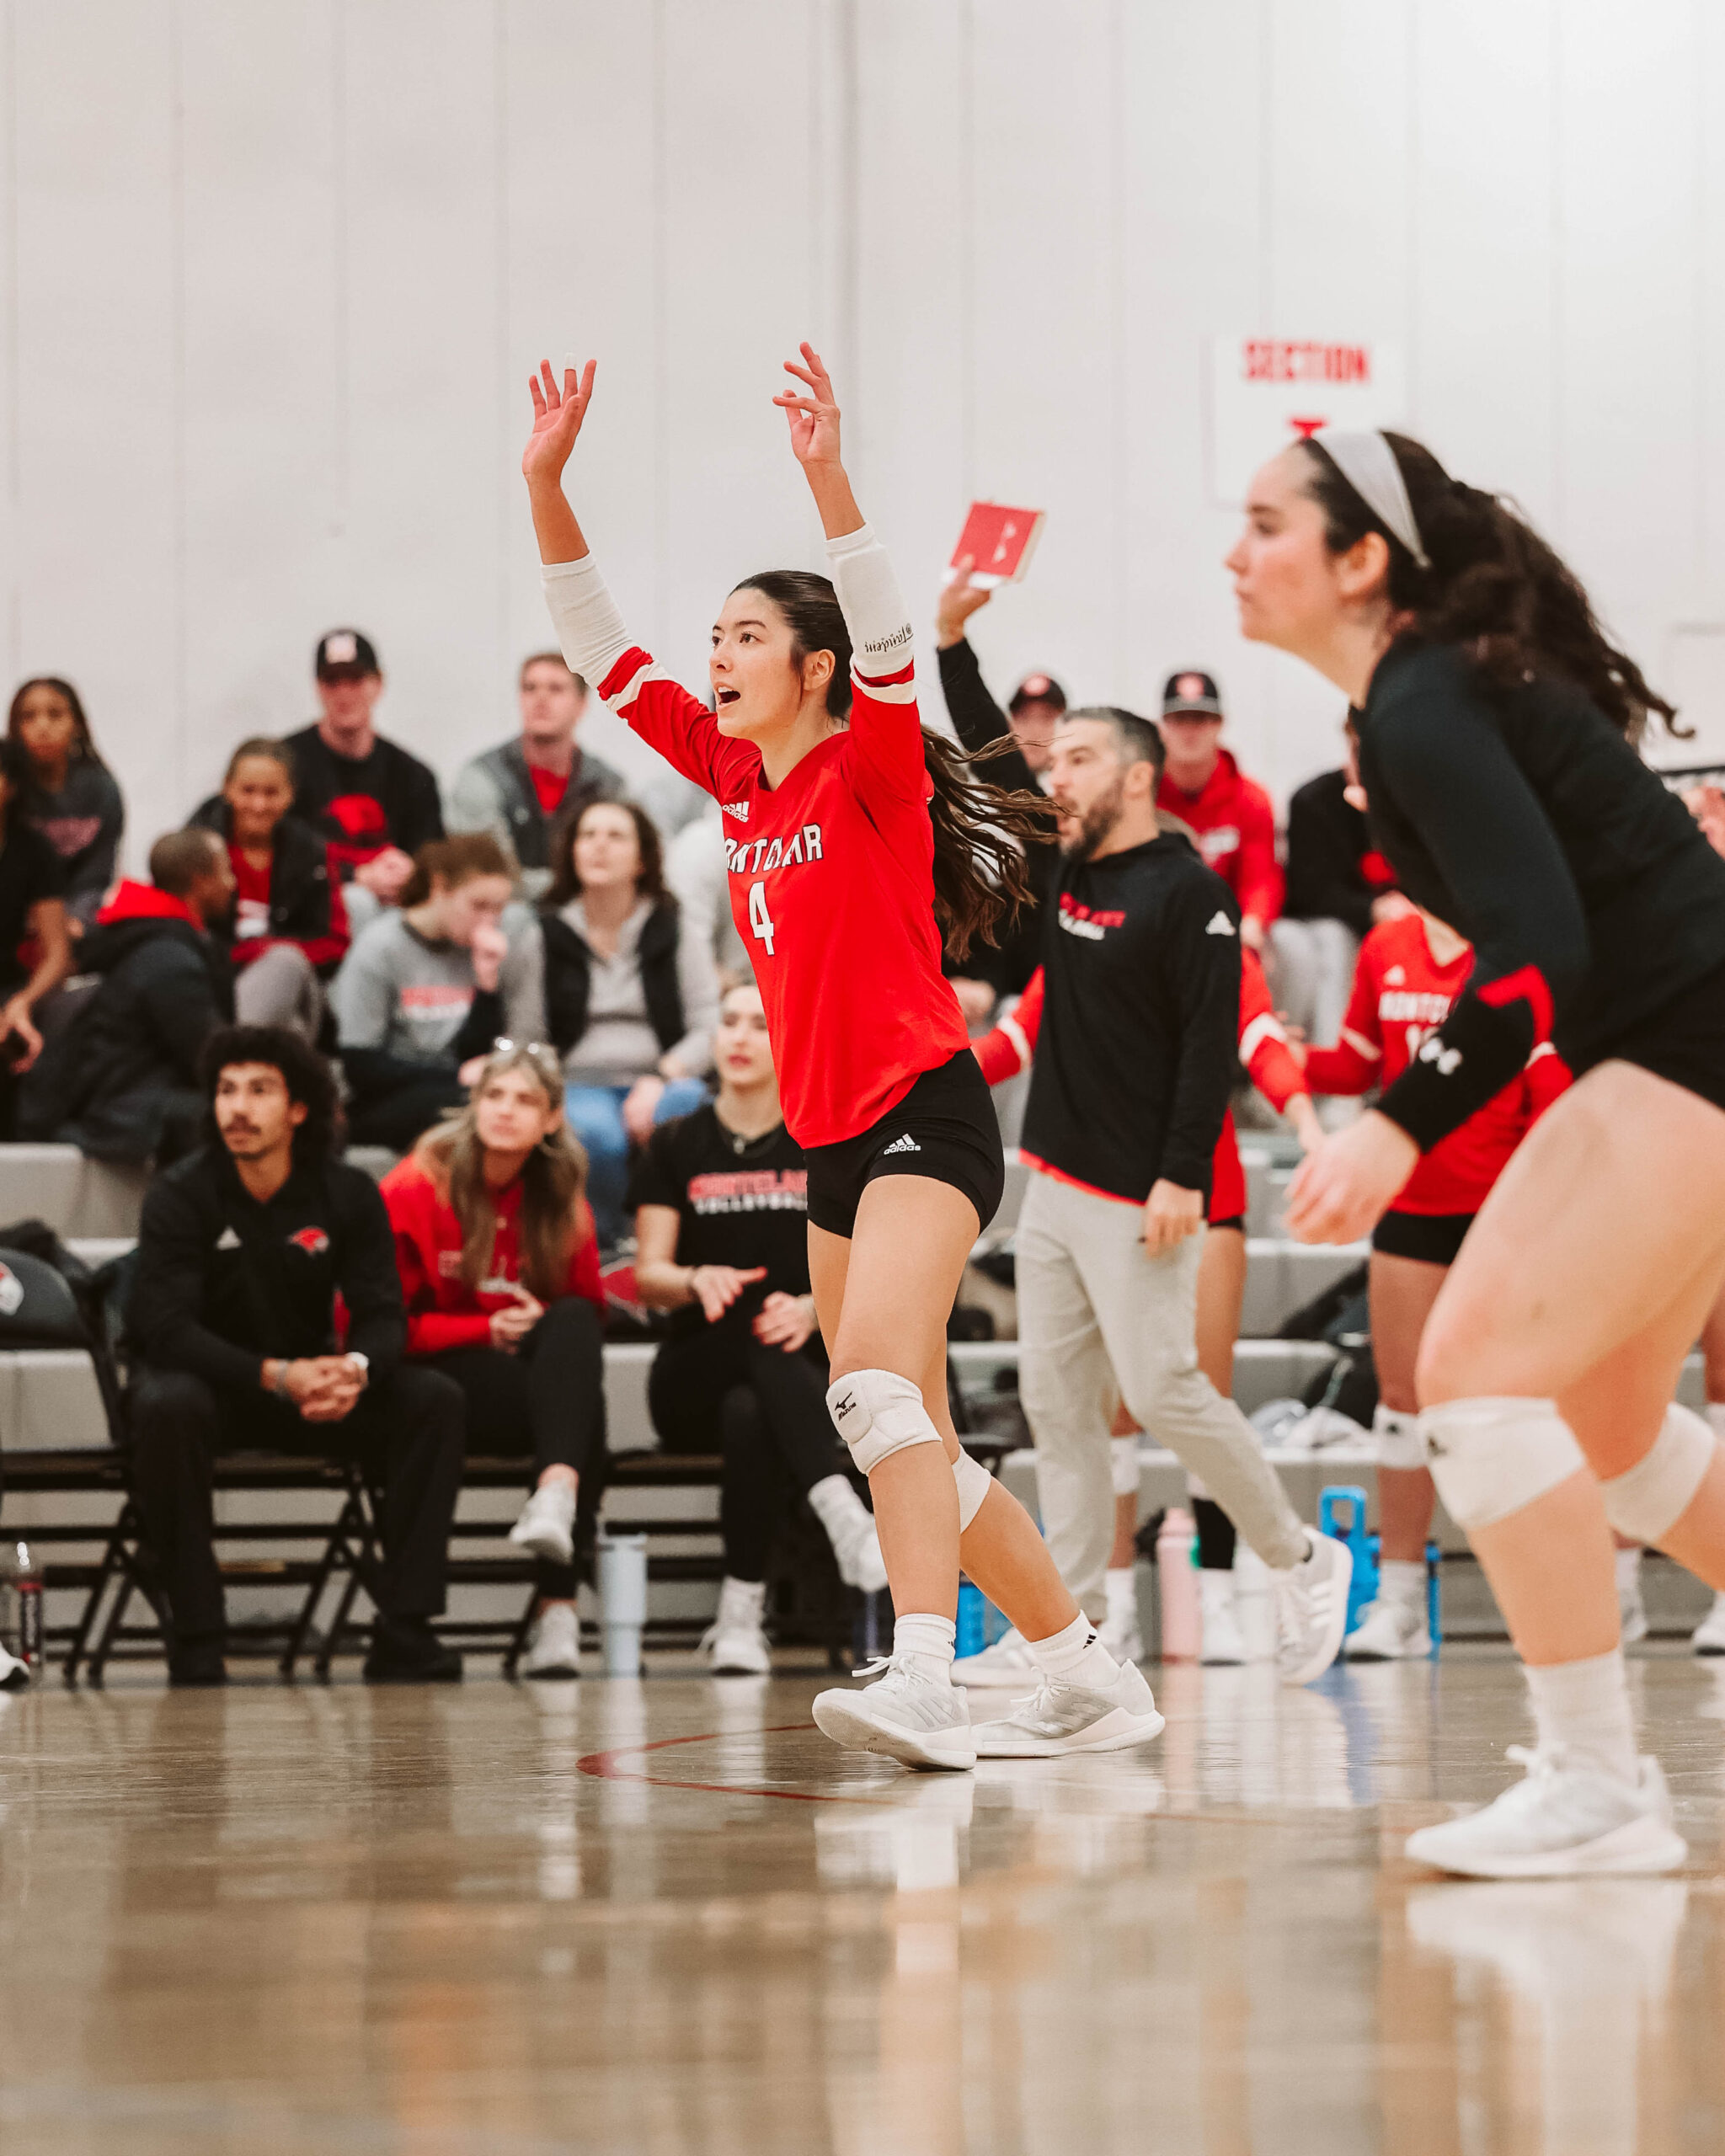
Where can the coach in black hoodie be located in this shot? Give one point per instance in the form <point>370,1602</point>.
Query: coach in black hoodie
<point>121,1081</point>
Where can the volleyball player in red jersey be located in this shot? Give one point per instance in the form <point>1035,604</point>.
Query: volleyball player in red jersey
<point>849,831</point>
<point>1410,972</point>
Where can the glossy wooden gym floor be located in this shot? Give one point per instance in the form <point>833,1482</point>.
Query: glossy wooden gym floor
<point>666,1916</point>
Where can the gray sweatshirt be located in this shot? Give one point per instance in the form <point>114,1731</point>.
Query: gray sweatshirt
<point>398,992</point>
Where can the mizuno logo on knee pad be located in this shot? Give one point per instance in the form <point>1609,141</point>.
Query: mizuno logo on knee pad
<point>877,1413</point>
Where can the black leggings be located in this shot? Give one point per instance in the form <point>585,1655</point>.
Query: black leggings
<point>721,1389</point>
<point>550,1392</point>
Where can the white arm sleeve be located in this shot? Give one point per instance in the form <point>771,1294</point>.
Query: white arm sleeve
<point>874,609</point>
<point>589,626</point>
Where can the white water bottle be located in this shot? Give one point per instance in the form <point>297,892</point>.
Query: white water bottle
<point>622,1601</point>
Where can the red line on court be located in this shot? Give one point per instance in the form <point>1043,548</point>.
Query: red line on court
<point>604,1767</point>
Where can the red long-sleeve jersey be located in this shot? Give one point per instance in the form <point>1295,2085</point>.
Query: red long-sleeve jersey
<point>443,1311</point>
<point>1235,826</point>
<point>1264,1050</point>
<point>1401,994</point>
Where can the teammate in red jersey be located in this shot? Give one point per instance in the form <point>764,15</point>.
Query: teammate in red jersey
<point>854,839</point>
<point>1409,973</point>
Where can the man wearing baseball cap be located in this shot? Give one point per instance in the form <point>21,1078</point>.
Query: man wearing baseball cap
<point>373,803</point>
<point>1230,816</point>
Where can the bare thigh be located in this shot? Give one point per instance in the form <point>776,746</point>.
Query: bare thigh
<point>1611,1208</point>
<point>1713,1349</point>
<point>1402,1291</point>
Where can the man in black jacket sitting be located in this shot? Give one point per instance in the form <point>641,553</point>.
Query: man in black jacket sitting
<point>243,1249</point>
<point>121,1080</point>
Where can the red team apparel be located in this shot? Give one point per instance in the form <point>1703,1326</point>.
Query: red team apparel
<point>1231,818</point>
<point>1264,1050</point>
<point>1401,995</point>
<point>831,872</point>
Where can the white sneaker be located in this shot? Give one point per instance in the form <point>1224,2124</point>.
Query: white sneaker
<point>1323,1428</point>
<point>849,1529</point>
<point>1223,1642</point>
<point>1009,1661</point>
<point>1312,1609</point>
<point>1562,1820</point>
<point>1708,1637</point>
<point>554,1644</point>
<point>1632,1614</point>
<point>1062,1716</point>
<point>547,1525</point>
<point>735,1643</point>
<point>1119,1633</point>
<point>905,1716</point>
<point>1389,1632</point>
<point>15,1674</point>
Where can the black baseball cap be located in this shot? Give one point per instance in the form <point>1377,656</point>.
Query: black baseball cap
<point>343,654</point>
<point>1038,688</point>
<point>1193,693</point>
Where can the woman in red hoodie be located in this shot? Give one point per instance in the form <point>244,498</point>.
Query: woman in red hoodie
<point>500,1270</point>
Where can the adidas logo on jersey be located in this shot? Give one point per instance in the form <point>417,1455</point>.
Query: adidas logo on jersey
<point>1219,924</point>
<point>904,1144</point>
<point>1395,977</point>
<point>740,810</point>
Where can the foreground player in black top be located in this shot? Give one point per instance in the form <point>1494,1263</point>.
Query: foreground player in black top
<point>1495,723</point>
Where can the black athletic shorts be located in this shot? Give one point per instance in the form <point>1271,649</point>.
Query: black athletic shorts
<point>1433,1238</point>
<point>945,1126</point>
<point>1683,1040</point>
<point>1235,1220</point>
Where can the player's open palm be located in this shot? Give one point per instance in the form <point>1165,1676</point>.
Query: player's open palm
<point>814,418</point>
<point>558,410</point>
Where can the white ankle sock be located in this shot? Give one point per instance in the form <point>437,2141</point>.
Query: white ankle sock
<point>1401,1580</point>
<point>925,1643</point>
<point>1628,1569</point>
<point>1077,1653</point>
<point>1585,1706</point>
<point>1123,1596</point>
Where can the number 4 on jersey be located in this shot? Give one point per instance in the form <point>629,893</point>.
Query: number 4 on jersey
<point>760,920</point>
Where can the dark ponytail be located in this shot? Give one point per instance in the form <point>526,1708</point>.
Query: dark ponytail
<point>981,831</point>
<point>1494,586</point>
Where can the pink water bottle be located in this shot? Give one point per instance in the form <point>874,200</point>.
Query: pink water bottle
<point>1183,1619</point>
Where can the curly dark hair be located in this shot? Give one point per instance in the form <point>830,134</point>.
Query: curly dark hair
<point>1494,586</point>
<point>560,846</point>
<point>309,1078</point>
<point>980,831</point>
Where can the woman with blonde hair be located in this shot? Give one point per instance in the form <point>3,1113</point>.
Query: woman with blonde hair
<point>499,1271</point>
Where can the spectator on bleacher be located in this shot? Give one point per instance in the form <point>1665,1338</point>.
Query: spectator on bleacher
<point>120,1079</point>
<point>1339,885</point>
<point>286,930</point>
<point>1229,815</point>
<point>630,997</point>
<point>697,876</point>
<point>425,990</point>
<point>517,792</point>
<point>721,1217</point>
<point>267,1312</point>
<point>36,950</point>
<point>500,1265</point>
<point>74,801</point>
<point>373,803</point>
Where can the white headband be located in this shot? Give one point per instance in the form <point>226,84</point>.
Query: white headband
<point>1368,463</point>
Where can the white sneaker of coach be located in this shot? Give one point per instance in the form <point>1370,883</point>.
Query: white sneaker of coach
<point>1389,1632</point>
<point>849,1529</point>
<point>1708,1637</point>
<point>1567,1817</point>
<point>554,1644</point>
<point>905,1715</point>
<point>736,1642</point>
<point>1062,1716</point>
<point>1009,1661</point>
<point>1312,1609</point>
<point>1223,1643</point>
<point>547,1524</point>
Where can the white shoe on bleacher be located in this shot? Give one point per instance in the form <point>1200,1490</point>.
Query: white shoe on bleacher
<point>1009,1661</point>
<point>547,1525</point>
<point>554,1644</point>
<point>736,1642</point>
<point>15,1674</point>
<point>849,1529</point>
<point>1323,1428</point>
<point>1389,1632</point>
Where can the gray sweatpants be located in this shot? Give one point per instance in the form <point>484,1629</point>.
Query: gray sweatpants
<point>1090,1298</point>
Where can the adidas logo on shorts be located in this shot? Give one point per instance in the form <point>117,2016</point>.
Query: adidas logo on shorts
<point>907,1143</point>
<point>1219,924</point>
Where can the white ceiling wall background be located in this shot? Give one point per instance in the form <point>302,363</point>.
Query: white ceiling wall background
<point>274,276</point>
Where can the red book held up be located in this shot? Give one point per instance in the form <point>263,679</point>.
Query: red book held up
<point>998,541</point>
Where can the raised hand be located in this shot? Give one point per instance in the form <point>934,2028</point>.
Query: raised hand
<point>814,418</point>
<point>958,601</point>
<point>557,413</point>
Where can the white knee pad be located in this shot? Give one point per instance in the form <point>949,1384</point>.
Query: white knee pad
<point>1399,1442</point>
<point>877,1413</point>
<point>1649,1501</point>
<point>1123,1460</point>
<point>1490,1458</point>
<point>974,1482</point>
